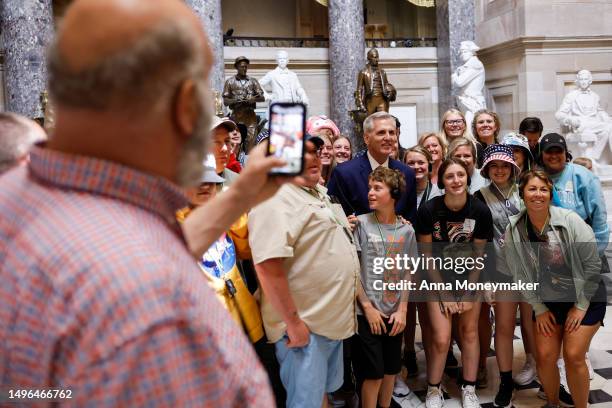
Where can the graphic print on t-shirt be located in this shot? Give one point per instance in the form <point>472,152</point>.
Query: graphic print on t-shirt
<point>456,231</point>
<point>393,245</point>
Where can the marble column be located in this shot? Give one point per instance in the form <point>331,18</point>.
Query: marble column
<point>455,23</point>
<point>346,58</point>
<point>27,29</point>
<point>209,12</point>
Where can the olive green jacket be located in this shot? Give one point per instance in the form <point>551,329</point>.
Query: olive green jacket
<point>579,249</point>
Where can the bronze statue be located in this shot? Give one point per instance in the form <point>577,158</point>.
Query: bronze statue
<point>240,94</point>
<point>374,92</point>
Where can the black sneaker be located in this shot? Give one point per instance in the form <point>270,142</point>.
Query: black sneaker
<point>503,399</point>
<point>451,361</point>
<point>565,399</point>
<point>410,362</point>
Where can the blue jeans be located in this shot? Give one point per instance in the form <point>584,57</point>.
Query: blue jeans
<point>311,371</point>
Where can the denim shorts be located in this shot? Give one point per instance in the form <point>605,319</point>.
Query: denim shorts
<point>311,371</point>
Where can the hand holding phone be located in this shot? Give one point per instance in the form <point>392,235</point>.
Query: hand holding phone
<point>287,129</point>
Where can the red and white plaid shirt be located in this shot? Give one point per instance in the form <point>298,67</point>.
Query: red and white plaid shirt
<point>99,295</point>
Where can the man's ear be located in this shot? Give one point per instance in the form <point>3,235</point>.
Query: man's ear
<point>366,138</point>
<point>186,107</point>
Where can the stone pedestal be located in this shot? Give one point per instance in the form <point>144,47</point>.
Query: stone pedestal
<point>210,14</point>
<point>346,58</point>
<point>455,23</point>
<point>27,28</point>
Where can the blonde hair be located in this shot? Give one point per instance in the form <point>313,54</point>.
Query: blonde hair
<point>460,142</point>
<point>495,119</point>
<point>441,140</point>
<point>466,132</point>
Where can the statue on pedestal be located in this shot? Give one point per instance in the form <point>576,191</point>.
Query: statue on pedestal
<point>468,81</point>
<point>240,94</point>
<point>374,92</point>
<point>584,121</point>
<point>284,84</point>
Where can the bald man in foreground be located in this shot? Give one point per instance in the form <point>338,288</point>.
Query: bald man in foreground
<point>100,296</point>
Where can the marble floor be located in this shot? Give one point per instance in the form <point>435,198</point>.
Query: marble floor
<point>600,355</point>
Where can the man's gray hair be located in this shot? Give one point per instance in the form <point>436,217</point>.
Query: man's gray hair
<point>368,123</point>
<point>17,135</point>
<point>138,78</point>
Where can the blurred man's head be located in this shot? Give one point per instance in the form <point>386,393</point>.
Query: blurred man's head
<point>133,72</point>
<point>17,135</point>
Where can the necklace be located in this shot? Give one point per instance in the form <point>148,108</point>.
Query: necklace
<point>382,237</point>
<point>541,232</point>
<point>506,197</point>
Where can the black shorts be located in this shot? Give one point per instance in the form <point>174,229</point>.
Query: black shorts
<point>594,314</point>
<point>375,356</point>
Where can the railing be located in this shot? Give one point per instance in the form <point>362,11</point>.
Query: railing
<point>320,42</point>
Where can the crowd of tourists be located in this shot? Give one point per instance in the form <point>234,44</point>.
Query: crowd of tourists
<point>149,259</point>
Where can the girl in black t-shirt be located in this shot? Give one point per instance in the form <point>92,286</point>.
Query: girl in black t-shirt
<point>456,217</point>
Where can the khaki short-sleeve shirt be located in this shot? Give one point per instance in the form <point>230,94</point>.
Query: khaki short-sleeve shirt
<point>312,236</point>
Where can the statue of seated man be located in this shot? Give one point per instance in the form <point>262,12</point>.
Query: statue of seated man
<point>468,81</point>
<point>583,117</point>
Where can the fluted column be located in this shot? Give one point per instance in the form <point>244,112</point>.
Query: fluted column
<point>27,29</point>
<point>346,58</point>
<point>455,23</point>
<point>210,14</point>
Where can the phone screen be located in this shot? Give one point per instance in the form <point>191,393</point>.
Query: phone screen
<point>287,126</point>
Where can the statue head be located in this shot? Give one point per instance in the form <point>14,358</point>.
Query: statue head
<point>242,64</point>
<point>584,79</point>
<point>373,57</point>
<point>467,49</point>
<point>282,59</point>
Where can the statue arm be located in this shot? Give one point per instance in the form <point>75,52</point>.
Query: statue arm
<point>360,101</point>
<point>228,99</point>
<point>602,114</point>
<point>564,115</point>
<point>265,85</point>
<point>390,91</point>
<point>464,76</point>
<point>301,92</point>
<point>259,93</point>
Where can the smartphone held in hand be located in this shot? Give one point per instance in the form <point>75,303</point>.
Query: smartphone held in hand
<point>287,129</point>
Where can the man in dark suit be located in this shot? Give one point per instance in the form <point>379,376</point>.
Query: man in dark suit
<point>349,180</point>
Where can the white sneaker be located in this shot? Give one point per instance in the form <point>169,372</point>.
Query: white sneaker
<point>562,374</point>
<point>468,397</point>
<point>434,398</point>
<point>528,373</point>
<point>400,389</point>
<point>590,367</point>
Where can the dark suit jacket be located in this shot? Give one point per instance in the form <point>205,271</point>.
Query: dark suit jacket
<point>349,184</point>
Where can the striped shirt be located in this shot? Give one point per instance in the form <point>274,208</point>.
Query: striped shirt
<point>100,296</point>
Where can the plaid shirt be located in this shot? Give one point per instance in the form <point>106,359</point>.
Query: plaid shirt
<point>100,296</point>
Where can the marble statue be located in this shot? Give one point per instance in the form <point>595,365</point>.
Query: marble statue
<point>240,94</point>
<point>283,83</point>
<point>374,92</point>
<point>584,121</point>
<point>468,82</point>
